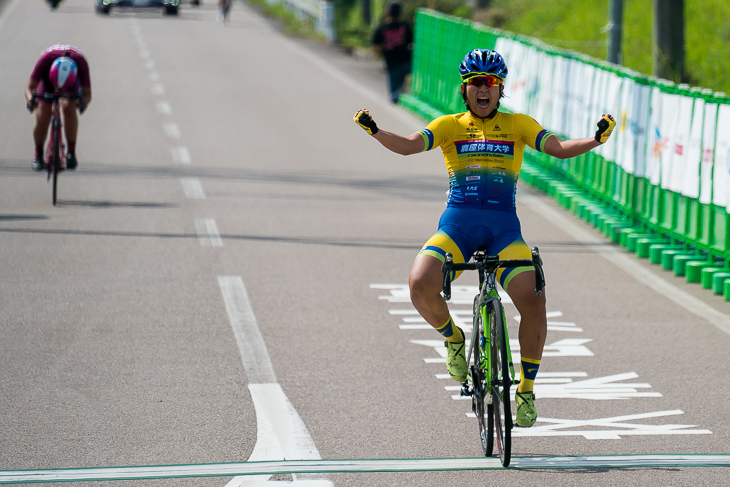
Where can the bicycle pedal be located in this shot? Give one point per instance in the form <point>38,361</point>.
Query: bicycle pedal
<point>466,391</point>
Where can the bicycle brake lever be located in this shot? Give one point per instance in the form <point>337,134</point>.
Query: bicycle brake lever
<point>446,270</point>
<point>539,274</point>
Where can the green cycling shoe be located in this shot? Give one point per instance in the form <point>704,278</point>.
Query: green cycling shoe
<point>456,359</point>
<point>526,411</point>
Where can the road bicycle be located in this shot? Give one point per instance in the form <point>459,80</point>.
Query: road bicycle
<point>55,156</point>
<point>491,372</point>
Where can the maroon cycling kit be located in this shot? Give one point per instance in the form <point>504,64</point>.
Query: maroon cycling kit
<point>43,67</point>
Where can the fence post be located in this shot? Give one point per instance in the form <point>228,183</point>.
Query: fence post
<point>327,20</point>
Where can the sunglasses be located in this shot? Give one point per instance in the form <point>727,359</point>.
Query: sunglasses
<point>490,81</point>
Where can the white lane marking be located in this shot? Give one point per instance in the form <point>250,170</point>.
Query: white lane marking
<point>154,76</point>
<point>281,433</point>
<point>208,234</point>
<point>246,330</point>
<point>150,64</point>
<point>629,264</point>
<point>5,12</point>
<point>144,54</point>
<point>171,129</point>
<point>163,107</point>
<point>157,89</point>
<point>347,466</point>
<point>181,155</point>
<point>192,188</point>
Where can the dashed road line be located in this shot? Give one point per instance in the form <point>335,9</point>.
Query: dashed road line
<point>172,130</point>
<point>192,188</point>
<point>208,234</point>
<point>181,155</point>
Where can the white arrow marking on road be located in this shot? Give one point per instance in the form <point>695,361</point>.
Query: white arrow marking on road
<point>281,433</point>
<point>569,347</point>
<point>558,385</point>
<point>559,427</point>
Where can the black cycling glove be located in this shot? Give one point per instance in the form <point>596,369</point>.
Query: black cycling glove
<point>605,127</point>
<point>365,121</point>
<point>31,104</point>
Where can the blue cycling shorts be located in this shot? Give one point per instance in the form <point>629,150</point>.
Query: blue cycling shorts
<point>463,231</point>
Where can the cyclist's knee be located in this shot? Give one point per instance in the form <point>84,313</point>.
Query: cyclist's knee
<point>43,113</point>
<point>68,107</point>
<point>522,292</point>
<point>425,280</point>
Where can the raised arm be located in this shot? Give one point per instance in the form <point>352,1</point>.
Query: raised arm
<point>399,144</point>
<point>564,149</point>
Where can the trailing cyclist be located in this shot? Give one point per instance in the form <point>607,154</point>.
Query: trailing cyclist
<point>61,68</point>
<point>483,149</point>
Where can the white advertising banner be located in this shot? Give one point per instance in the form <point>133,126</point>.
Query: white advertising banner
<point>639,123</point>
<point>680,142</point>
<point>560,91</point>
<point>611,105</point>
<point>654,147</point>
<point>581,79</point>
<point>708,152</point>
<point>691,179</point>
<point>720,175</point>
<point>668,131</point>
<point>597,101</point>
<point>625,137</point>
<point>542,106</point>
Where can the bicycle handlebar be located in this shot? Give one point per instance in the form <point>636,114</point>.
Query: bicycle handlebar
<point>489,264</point>
<point>54,97</point>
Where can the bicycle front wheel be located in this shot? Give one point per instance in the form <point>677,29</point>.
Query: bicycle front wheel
<point>55,164</point>
<point>485,416</point>
<point>501,382</point>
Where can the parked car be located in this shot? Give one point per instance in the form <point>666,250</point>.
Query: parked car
<point>170,6</point>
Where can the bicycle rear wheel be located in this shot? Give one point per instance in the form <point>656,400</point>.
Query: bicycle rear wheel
<point>479,383</point>
<point>501,382</point>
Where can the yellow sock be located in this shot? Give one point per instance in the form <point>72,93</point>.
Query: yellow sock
<point>528,373</point>
<point>451,332</point>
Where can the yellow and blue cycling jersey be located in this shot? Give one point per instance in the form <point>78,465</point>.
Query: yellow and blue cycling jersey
<point>484,157</point>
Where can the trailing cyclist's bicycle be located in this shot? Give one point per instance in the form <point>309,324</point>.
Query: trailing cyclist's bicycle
<point>55,155</point>
<point>491,372</point>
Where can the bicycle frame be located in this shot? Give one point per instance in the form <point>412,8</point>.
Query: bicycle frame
<point>490,378</point>
<point>55,153</point>
<point>489,296</point>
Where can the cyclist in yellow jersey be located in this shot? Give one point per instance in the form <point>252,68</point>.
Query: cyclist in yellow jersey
<point>483,149</point>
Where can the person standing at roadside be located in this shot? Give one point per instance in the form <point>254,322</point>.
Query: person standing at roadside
<point>394,40</point>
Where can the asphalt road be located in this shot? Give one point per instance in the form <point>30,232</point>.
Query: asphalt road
<point>223,281</point>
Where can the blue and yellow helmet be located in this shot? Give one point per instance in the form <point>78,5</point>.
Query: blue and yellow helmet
<point>483,62</point>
